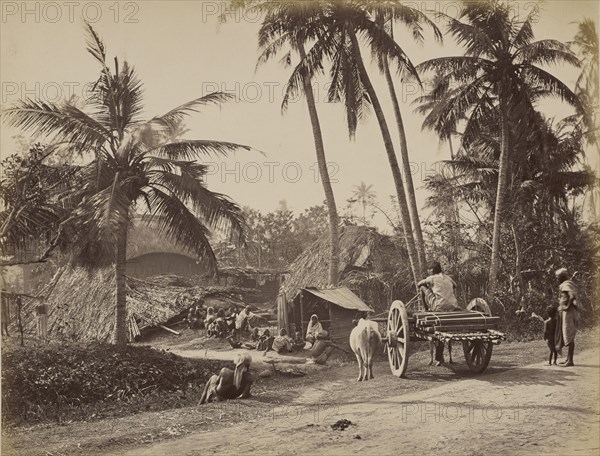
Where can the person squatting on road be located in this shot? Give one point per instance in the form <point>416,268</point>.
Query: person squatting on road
<point>568,315</point>
<point>230,384</point>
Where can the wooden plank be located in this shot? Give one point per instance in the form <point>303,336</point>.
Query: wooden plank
<point>461,321</point>
<point>424,315</point>
<point>457,328</point>
<point>452,317</point>
<point>169,330</point>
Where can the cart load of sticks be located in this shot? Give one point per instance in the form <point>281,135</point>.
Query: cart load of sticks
<point>491,335</point>
<point>459,321</point>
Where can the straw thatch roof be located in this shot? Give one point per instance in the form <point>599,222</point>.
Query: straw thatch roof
<point>372,265</point>
<point>81,302</point>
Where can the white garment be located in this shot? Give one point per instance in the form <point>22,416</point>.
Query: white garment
<point>442,287</point>
<point>240,318</point>
<point>314,329</point>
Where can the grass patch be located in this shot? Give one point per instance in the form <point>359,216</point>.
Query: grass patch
<point>58,383</point>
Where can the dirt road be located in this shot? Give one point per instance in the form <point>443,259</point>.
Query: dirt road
<point>533,409</point>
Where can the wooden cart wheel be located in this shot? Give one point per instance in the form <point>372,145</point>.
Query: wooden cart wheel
<point>477,354</point>
<point>398,338</point>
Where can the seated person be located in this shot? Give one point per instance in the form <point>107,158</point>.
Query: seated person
<point>241,321</point>
<point>265,340</point>
<point>282,343</point>
<point>217,328</point>
<point>230,318</point>
<point>322,350</point>
<point>314,329</point>
<point>255,335</point>
<point>437,290</point>
<point>196,315</point>
<point>193,317</point>
<point>210,317</point>
<point>298,343</point>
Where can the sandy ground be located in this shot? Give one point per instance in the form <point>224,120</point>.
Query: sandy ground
<point>534,409</point>
<point>515,407</point>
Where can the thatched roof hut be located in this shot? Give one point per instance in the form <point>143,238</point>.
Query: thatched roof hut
<point>81,303</point>
<point>336,309</point>
<point>372,265</point>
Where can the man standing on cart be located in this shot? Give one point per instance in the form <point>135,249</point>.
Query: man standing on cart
<point>437,291</point>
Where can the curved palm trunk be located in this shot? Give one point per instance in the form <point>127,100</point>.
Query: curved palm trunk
<point>120,334</point>
<point>334,238</point>
<point>410,189</point>
<point>391,153</point>
<point>499,210</point>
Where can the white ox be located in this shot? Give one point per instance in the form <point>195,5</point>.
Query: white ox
<point>364,341</point>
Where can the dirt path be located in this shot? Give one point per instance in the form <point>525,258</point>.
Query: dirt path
<point>534,409</point>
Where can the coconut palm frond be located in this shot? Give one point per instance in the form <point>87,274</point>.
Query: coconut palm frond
<point>549,85</point>
<point>306,68</point>
<point>547,52</point>
<point>65,122</point>
<point>192,149</point>
<point>108,208</point>
<point>381,43</point>
<point>95,46</point>
<point>178,114</point>
<point>173,219</point>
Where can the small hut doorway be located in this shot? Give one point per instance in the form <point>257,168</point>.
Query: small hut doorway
<point>335,307</point>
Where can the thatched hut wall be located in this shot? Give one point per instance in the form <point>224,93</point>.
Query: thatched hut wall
<point>81,303</point>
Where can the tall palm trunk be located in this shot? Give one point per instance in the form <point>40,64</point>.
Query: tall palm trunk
<point>120,334</point>
<point>499,209</point>
<point>391,153</point>
<point>410,189</point>
<point>334,238</point>
<point>454,216</point>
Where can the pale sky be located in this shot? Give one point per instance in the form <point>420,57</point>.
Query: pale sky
<point>181,53</point>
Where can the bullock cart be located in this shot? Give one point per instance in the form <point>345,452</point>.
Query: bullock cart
<point>475,328</point>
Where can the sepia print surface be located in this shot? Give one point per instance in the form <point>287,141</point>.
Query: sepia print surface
<point>300,226</point>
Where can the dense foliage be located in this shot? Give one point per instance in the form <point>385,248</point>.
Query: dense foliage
<point>31,211</point>
<point>54,382</point>
<point>275,239</point>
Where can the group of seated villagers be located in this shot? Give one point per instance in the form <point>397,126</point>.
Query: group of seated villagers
<point>219,324</point>
<point>230,384</point>
<point>316,339</point>
<point>231,326</point>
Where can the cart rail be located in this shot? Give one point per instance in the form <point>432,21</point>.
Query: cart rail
<point>475,328</point>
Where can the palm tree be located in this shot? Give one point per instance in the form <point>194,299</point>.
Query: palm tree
<point>586,44</point>
<point>499,72</point>
<point>135,164</point>
<point>335,31</point>
<point>293,24</point>
<point>333,26</point>
<point>364,194</point>
<point>351,19</point>
<point>413,19</point>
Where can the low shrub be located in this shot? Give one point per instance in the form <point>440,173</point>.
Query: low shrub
<point>41,383</point>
